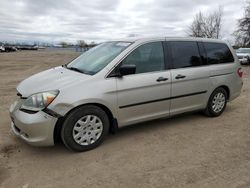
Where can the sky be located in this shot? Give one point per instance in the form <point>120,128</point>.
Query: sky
<point>99,20</point>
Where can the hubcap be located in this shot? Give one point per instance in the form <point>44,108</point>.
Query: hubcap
<point>87,130</point>
<point>218,102</point>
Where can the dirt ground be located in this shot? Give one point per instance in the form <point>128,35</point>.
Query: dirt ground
<point>186,151</point>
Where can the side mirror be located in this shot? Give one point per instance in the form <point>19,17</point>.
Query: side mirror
<point>127,69</point>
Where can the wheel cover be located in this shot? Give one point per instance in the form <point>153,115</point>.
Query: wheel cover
<point>87,130</point>
<point>218,102</point>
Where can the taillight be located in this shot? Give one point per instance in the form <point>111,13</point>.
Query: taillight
<point>240,72</point>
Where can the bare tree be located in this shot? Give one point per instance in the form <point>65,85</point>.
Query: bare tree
<point>195,29</point>
<point>206,26</point>
<point>242,34</point>
<point>82,43</point>
<point>64,44</point>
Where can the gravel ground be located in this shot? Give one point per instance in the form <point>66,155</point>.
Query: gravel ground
<point>186,151</point>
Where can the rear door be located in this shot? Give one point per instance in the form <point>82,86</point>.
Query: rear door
<point>190,76</point>
<point>144,95</point>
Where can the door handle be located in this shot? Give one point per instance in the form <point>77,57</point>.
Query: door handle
<point>179,76</point>
<point>161,79</point>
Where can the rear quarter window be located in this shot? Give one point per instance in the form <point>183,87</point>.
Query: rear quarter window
<point>218,53</point>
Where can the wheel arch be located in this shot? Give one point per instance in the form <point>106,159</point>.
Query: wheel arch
<point>221,86</point>
<point>112,120</point>
<point>207,111</point>
<point>227,90</point>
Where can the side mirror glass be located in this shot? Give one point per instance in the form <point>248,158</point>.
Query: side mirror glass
<point>127,69</point>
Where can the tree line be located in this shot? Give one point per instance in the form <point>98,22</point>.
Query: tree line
<point>80,44</point>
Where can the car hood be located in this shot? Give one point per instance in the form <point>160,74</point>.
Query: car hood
<point>52,79</point>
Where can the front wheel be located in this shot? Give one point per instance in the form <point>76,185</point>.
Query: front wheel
<point>216,103</point>
<point>85,128</point>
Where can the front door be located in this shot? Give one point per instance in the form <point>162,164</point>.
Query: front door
<point>144,95</point>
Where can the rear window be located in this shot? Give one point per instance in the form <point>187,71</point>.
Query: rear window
<point>218,53</point>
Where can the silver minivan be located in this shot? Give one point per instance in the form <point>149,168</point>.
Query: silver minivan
<point>123,82</point>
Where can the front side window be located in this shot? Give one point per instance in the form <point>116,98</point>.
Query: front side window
<point>98,57</point>
<point>185,54</point>
<point>147,58</point>
<point>218,53</point>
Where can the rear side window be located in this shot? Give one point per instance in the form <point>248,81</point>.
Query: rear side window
<point>218,53</point>
<point>185,54</point>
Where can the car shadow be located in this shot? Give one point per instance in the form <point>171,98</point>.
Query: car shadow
<point>154,125</point>
<point>127,132</point>
<point>130,131</point>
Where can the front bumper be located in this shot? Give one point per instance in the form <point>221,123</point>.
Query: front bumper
<point>36,129</point>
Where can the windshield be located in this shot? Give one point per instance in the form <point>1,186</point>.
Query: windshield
<point>98,57</point>
<point>243,50</point>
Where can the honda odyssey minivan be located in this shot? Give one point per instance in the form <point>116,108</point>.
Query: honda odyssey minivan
<point>123,82</point>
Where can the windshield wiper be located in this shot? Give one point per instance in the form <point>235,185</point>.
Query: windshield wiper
<point>74,69</point>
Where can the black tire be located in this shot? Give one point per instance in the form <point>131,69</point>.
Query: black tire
<point>209,111</point>
<point>71,120</point>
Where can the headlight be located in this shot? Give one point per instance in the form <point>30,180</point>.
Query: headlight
<point>39,101</point>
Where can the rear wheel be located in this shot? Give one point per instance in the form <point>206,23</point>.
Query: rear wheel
<point>85,128</point>
<point>217,102</point>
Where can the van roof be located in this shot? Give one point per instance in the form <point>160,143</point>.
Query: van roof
<point>145,39</point>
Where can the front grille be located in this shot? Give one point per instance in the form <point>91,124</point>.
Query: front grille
<point>240,56</point>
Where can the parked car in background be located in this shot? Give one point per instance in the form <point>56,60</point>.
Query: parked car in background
<point>2,49</point>
<point>27,47</point>
<point>243,55</point>
<point>123,82</point>
<point>10,48</point>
